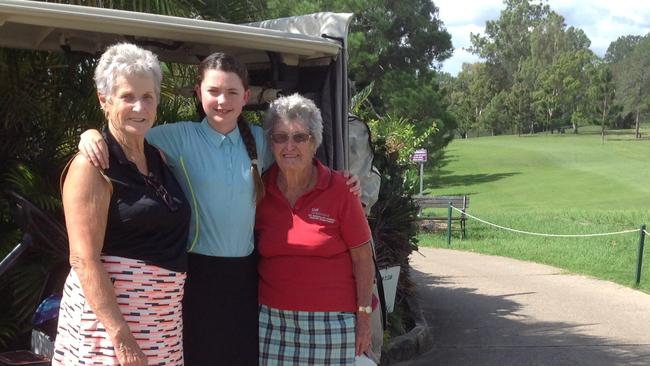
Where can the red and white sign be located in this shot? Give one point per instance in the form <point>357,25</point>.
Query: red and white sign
<point>419,156</point>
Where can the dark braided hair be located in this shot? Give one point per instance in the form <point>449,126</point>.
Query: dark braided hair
<point>227,63</point>
<point>251,148</point>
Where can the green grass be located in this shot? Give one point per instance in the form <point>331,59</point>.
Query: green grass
<point>560,184</point>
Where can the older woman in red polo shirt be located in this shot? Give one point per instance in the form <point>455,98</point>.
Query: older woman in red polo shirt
<point>316,268</point>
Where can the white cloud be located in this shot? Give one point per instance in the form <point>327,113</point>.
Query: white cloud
<point>603,21</point>
<point>455,63</point>
<point>458,12</point>
<point>460,34</point>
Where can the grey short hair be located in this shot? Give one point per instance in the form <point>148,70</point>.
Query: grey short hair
<point>126,59</point>
<point>292,107</point>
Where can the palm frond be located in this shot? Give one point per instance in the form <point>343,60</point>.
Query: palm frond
<point>177,101</point>
<point>234,11</point>
<point>392,219</point>
<point>22,179</point>
<point>360,98</point>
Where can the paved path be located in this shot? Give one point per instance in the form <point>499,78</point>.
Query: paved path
<point>487,310</point>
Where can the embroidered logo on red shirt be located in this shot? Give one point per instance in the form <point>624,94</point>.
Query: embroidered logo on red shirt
<point>315,214</point>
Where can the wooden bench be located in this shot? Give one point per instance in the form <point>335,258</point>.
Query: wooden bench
<point>459,202</point>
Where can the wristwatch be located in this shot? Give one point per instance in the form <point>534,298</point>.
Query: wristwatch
<point>365,309</point>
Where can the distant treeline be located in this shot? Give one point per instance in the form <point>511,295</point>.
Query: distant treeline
<point>540,75</point>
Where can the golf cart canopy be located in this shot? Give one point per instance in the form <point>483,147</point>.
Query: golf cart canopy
<point>304,54</point>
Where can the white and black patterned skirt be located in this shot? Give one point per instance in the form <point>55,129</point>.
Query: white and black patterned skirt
<point>149,298</point>
<point>306,338</point>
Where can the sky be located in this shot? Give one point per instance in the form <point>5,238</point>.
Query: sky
<point>603,21</point>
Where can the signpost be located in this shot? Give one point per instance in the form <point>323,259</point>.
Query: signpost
<point>420,156</point>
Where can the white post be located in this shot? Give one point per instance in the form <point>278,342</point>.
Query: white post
<point>421,175</point>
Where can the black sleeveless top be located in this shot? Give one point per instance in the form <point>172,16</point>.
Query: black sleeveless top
<point>148,216</point>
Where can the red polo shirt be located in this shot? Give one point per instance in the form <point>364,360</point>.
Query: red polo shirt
<point>305,262</point>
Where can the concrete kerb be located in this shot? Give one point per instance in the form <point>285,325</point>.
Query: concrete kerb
<point>406,346</point>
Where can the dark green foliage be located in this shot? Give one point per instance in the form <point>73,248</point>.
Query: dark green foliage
<point>184,8</point>
<point>621,48</point>
<point>392,220</point>
<point>232,11</point>
<point>542,75</point>
<point>47,99</point>
<point>176,94</point>
<point>420,100</point>
<point>633,80</point>
<point>507,40</point>
<point>394,45</point>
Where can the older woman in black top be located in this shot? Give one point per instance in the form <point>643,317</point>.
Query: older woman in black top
<point>128,226</point>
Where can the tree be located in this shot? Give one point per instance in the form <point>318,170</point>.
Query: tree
<point>621,48</point>
<point>520,99</point>
<point>421,102</point>
<point>563,88</point>
<point>385,35</point>
<point>547,96</point>
<point>578,68</point>
<point>535,59</point>
<point>547,40</point>
<point>600,94</point>
<point>495,115</point>
<point>456,91</point>
<point>395,45</point>
<point>471,93</point>
<point>506,42</point>
<point>633,85</point>
<point>482,87</point>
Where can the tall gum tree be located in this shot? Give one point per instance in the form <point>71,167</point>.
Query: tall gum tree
<point>633,84</point>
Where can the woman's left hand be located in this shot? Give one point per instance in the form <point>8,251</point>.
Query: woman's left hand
<point>362,333</point>
<point>353,182</point>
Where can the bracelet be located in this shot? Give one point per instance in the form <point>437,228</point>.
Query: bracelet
<point>365,309</point>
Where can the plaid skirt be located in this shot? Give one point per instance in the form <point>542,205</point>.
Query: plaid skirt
<point>306,338</point>
<point>149,298</point>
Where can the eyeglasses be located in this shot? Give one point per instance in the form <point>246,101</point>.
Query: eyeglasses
<point>161,192</point>
<point>283,138</point>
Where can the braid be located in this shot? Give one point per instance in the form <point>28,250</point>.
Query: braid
<point>251,149</point>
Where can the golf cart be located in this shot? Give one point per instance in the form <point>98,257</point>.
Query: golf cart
<point>304,54</point>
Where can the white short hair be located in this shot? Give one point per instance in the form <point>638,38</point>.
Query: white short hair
<point>292,107</point>
<point>126,59</point>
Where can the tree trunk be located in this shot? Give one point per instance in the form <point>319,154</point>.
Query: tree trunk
<point>602,122</point>
<point>637,134</point>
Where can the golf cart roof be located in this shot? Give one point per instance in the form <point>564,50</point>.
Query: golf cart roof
<point>315,43</point>
<point>45,26</point>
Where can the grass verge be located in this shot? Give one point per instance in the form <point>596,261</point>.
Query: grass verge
<point>568,184</point>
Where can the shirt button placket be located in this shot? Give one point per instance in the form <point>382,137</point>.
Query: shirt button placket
<point>230,174</point>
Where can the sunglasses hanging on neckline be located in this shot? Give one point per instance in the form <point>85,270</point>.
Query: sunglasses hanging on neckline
<point>161,192</point>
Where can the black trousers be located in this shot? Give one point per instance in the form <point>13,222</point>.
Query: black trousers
<point>220,311</point>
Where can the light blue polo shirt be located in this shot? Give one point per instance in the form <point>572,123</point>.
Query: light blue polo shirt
<point>214,172</point>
